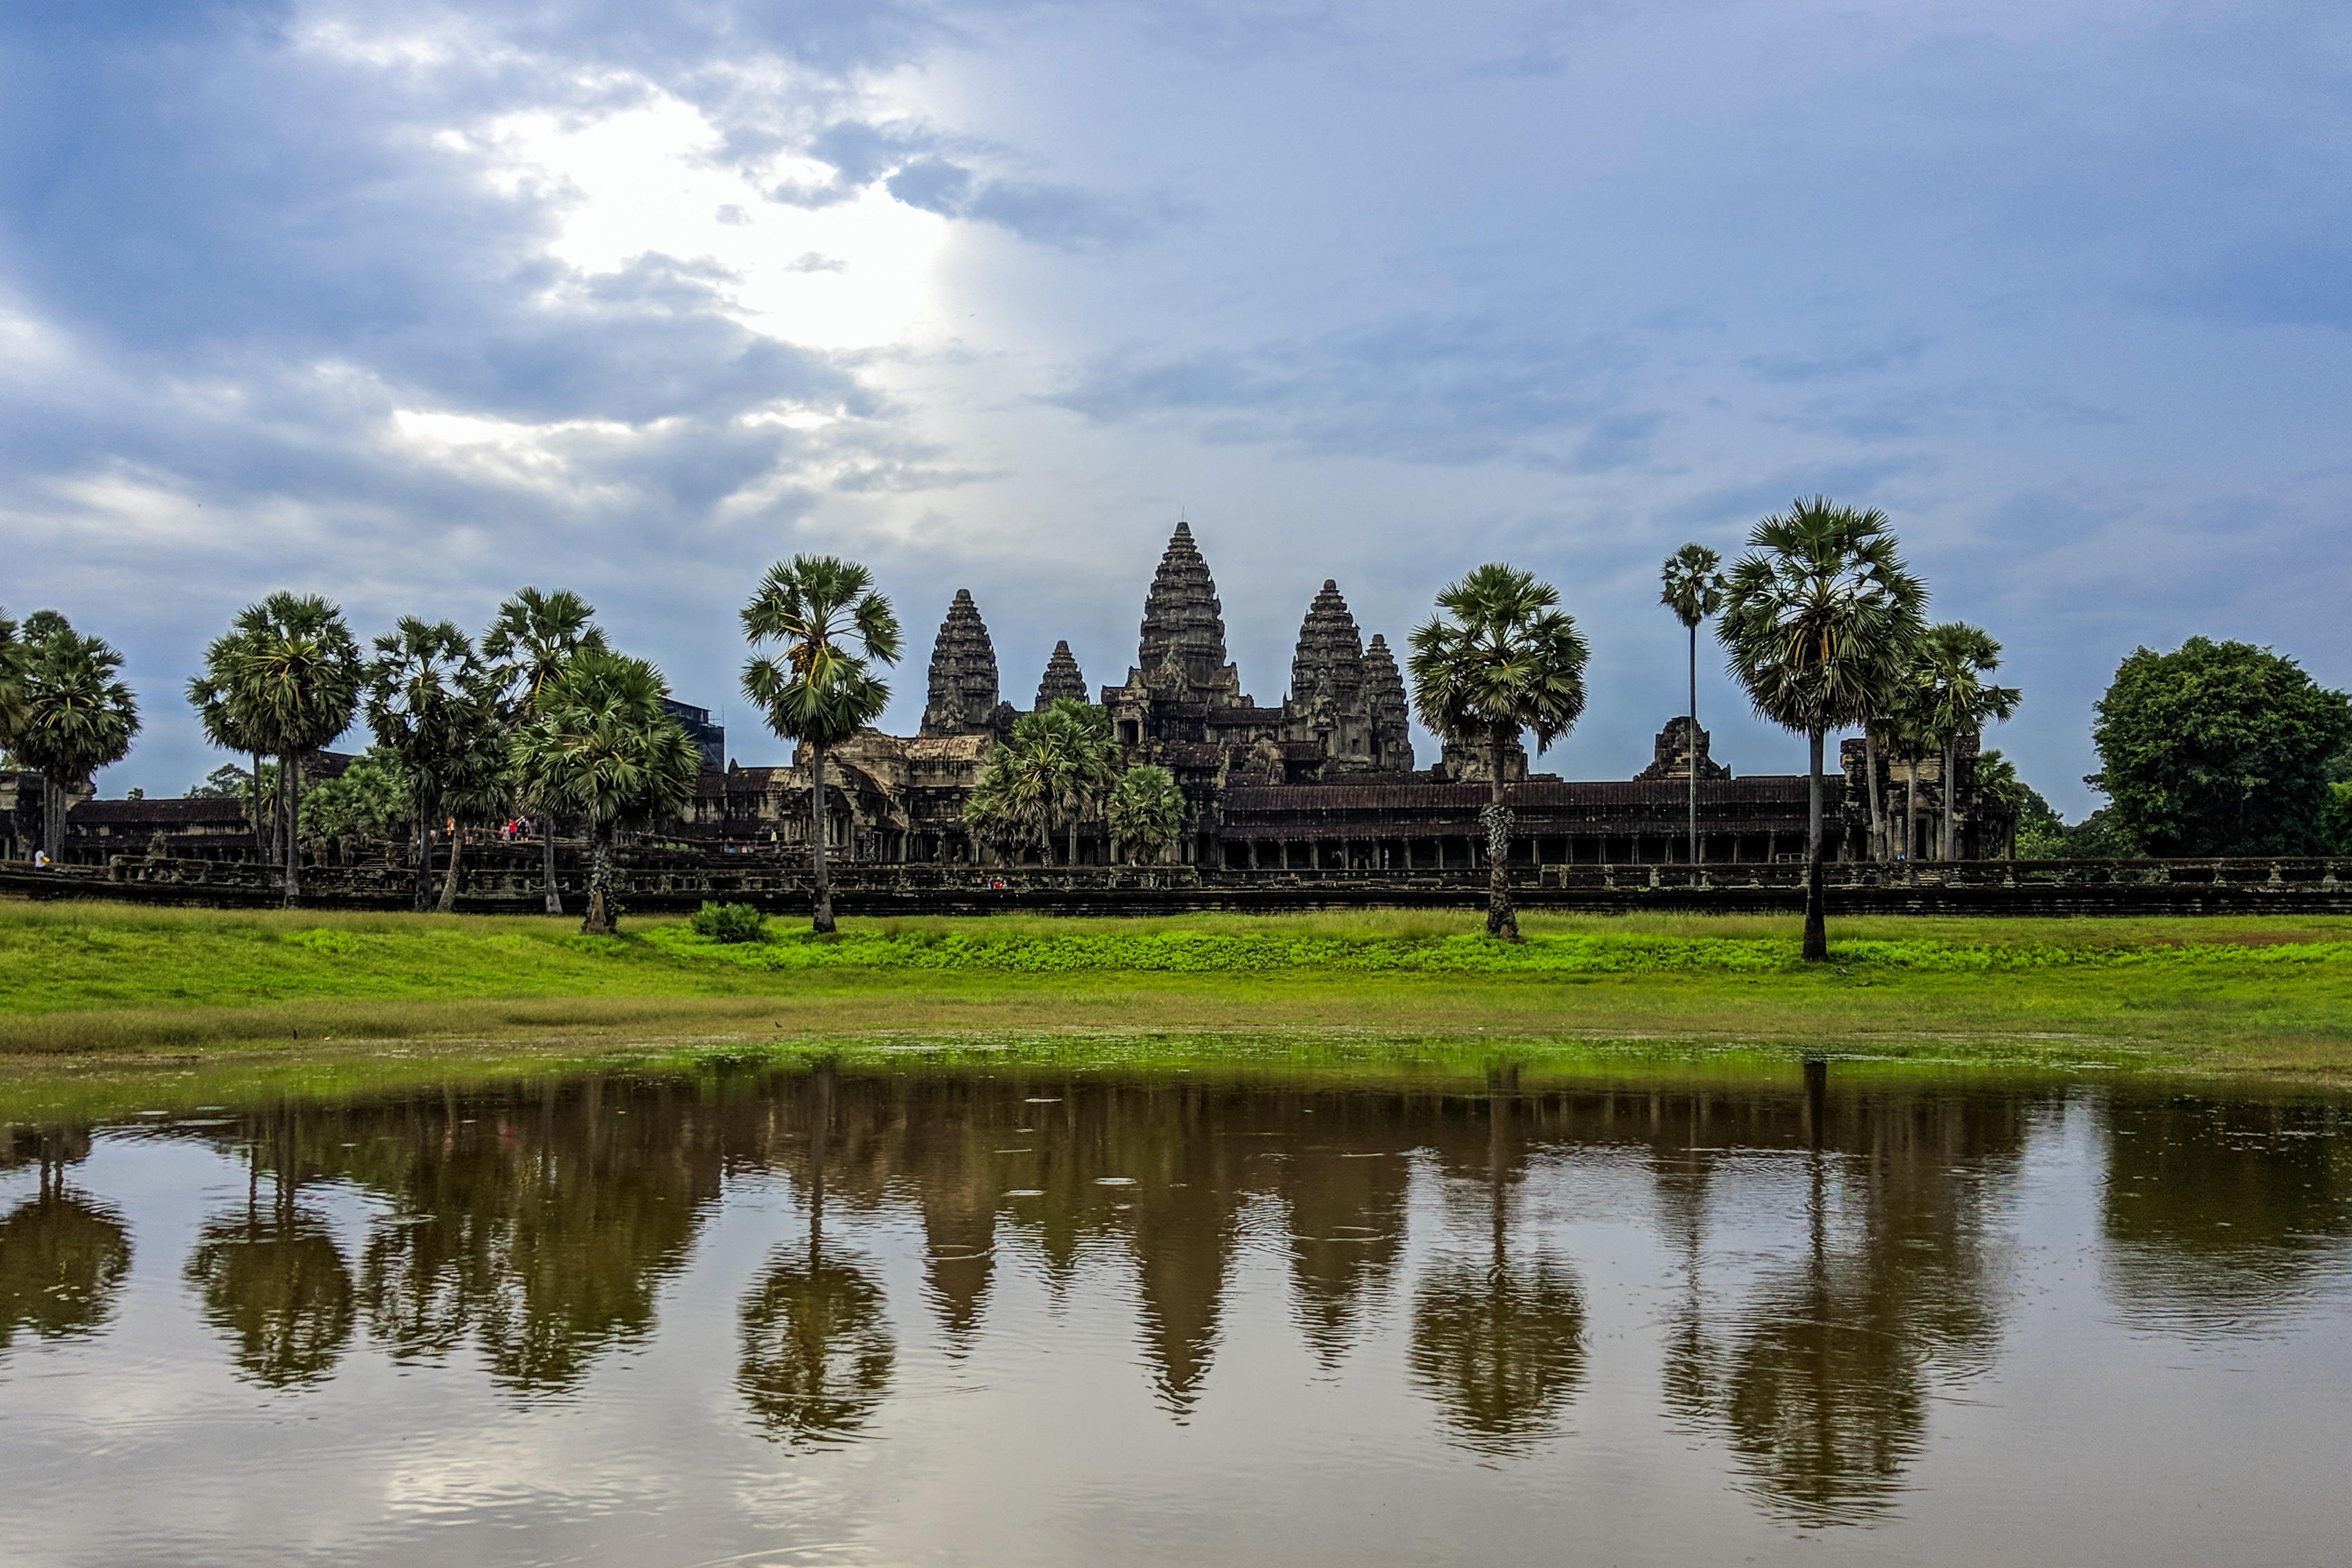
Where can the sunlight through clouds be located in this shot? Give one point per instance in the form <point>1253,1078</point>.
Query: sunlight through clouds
<point>649,181</point>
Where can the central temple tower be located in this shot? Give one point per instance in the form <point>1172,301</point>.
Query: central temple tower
<point>1183,624</point>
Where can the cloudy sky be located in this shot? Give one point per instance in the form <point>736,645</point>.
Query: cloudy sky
<point>412,304</point>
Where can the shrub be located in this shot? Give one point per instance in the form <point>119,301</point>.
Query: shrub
<point>730,922</point>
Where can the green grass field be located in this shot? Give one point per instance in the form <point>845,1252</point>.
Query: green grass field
<point>2271,995</point>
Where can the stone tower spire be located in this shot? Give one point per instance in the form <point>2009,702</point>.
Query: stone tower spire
<point>1062,678</point>
<point>963,673</point>
<point>1183,621</point>
<point>1329,663</point>
<point>1392,713</point>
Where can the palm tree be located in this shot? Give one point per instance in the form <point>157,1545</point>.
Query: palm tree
<point>78,715</point>
<point>1072,742</point>
<point>220,719</point>
<point>528,647</point>
<point>1691,586</point>
<point>15,661</point>
<point>604,748</point>
<point>1954,660</point>
<point>293,684</point>
<point>1509,660</point>
<point>821,688</point>
<point>1147,810</point>
<point>1815,616</point>
<point>1009,807</point>
<point>1902,723</point>
<point>477,781</point>
<point>424,688</point>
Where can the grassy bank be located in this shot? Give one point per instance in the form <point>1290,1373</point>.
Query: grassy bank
<point>2262,995</point>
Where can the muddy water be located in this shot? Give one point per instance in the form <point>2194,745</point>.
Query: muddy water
<point>804,1318</point>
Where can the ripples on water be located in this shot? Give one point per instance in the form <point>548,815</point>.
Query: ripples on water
<point>833,1315</point>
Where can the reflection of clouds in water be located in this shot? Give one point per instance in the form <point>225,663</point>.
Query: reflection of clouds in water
<point>1496,1281</point>
<point>2224,1219</point>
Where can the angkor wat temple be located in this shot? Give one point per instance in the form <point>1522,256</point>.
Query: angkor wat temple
<point>1324,780</point>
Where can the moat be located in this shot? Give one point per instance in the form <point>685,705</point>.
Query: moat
<point>758,1315</point>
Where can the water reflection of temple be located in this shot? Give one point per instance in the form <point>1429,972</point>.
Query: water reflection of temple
<point>1842,1254</point>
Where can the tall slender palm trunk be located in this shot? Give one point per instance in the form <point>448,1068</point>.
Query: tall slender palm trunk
<point>1911,812</point>
<point>1878,845</point>
<point>424,889</point>
<point>284,841</point>
<point>823,923</point>
<point>1951,824</point>
<point>449,877</point>
<point>1817,935</point>
<point>547,865</point>
<point>598,920</point>
<point>1692,739</point>
<point>291,768</point>
<point>53,820</point>
<point>1502,917</point>
<point>262,844</point>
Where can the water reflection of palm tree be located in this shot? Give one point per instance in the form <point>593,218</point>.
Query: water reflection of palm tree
<point>1821,1387</point>
<point>1500,1349</point>
<point>1824,1395</point>
<point>817,1350</point>
<point>543,1236</point>
<point>277,1285</point>
<point>62,1262</point>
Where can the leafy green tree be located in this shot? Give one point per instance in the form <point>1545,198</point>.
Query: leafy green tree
<point>1817,616</point>
<point>1498,658</point>
<point>426,701</point>
<point>2219,747</point>
<point>227,782</point>
<point>2336,819</point>
<point>604,748</point>
<point>80,716</point>
<point>1147,810</point>
<point>2036,831</point>
<point>368,800</point>
<point>1958,701</point>
<point>820,687</point>
<point>2101,836</point>
<point>293,679</point>
<point>533,641</point>
<point>1691,586</point>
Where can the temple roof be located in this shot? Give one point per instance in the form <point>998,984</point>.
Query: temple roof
<point>1330,661</point>
<point>1183,621</point>
<point>1384,683</point>
<point>1062,678</point>
<point>963,682</point>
